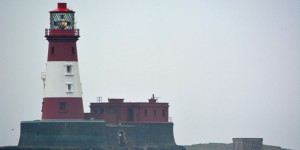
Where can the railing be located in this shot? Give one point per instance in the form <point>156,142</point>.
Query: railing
<point>43,75</point>
<point>99,99</point>
<point>57,32</point>
<point>170,119</point>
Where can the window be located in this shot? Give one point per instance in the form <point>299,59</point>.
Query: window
<point>154,113</point>
<point>62,105</point>
<point>69,87</point>
<point>68,69</point>
<point>73,50</point>
<point>114,110</point>
<point>101,110</point>
<point>42,106</point>
<point>111,110</point>
<point>52,50</point>
<point>145,112</point>
<point>163,112</point>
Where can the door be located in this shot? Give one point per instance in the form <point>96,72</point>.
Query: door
<point>130,114</point>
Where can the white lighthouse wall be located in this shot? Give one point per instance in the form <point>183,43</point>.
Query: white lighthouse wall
<point>57,80</point>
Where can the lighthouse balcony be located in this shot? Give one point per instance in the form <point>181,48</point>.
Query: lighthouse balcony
<point>58,32</point>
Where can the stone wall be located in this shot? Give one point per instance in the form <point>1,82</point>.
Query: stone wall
<point>155,134</point>
<point>98,135</point>
<point>63,133</point>
<point>140,134</point>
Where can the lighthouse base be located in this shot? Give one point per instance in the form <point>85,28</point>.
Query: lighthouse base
<point>92,134</point>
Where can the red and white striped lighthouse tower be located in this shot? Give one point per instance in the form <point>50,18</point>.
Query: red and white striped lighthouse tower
<point>62,87</point>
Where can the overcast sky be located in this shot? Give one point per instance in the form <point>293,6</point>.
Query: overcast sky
<point>227,68</point>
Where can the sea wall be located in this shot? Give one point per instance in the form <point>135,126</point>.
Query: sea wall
<point>62,133</point>
<point>97,135</point>
<point>141,134</point>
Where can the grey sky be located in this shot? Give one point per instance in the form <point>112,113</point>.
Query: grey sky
<point>227,68</point>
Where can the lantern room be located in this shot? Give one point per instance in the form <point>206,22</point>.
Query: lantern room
<point>62,18</point>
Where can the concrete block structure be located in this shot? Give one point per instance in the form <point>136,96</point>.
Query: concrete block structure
<point>96,134</point>
<point>247,144</point>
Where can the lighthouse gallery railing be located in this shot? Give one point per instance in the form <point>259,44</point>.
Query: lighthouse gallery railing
<point>55,32</point>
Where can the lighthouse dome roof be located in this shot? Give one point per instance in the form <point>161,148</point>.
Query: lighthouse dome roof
<point>62,7</point>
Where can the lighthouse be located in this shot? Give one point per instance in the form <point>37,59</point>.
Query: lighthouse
<point>115,124</point>
<point>62,98</point>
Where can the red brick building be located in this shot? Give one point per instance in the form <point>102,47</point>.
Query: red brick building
<point>118,111</point>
